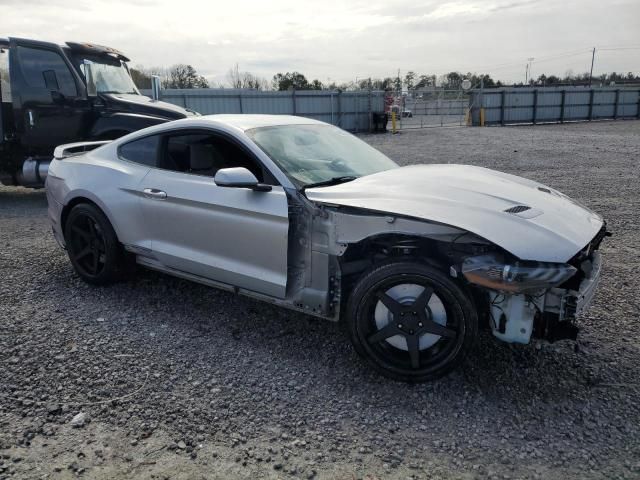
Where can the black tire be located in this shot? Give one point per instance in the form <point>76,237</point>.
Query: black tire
<point>441,332</point>
<point>92,245</point>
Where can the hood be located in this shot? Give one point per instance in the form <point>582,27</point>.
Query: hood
<point>553,229</point>
<point>145,105</point>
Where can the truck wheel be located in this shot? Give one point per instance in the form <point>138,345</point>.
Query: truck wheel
<point>410,322</point>
<point>92,245</point>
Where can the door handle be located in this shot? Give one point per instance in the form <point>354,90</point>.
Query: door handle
<point>155,193</point>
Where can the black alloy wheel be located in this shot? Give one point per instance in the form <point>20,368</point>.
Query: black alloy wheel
<point>410,321</point>
<point>92,245</point>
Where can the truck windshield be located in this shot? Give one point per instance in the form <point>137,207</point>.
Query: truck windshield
<point>110,75</point>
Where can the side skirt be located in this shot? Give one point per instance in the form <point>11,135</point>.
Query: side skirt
<point>157,266</point>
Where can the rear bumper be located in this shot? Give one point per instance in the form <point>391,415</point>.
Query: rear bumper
<point>54,212</point>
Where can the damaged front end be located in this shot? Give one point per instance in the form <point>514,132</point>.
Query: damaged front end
<point>536,299</point>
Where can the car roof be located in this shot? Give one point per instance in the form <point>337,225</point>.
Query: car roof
<point>249,121</point>
<point>238,123</point>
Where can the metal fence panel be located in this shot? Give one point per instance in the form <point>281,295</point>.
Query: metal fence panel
<point>549,99</point>
<point>519,99</point>
<point>576,112</point>
<point>518,115</point>
<point>552,104</point>
<point>493,115</point>
<point>576,98</point>
<point>548,114</point>
<point>348,110</point>
<point>493,99</point>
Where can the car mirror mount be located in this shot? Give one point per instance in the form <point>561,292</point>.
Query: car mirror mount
<point>239,177</point>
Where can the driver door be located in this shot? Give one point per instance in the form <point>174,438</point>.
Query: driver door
<point>50,106</point>
<point>236,236</point>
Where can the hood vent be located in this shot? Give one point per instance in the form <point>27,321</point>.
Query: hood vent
<point>517,209</point>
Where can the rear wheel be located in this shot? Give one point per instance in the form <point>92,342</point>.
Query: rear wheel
<point>92,245</point>
<point>410,321</point>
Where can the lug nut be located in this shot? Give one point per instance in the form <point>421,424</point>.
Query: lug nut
<point>419,324</point>
<point>399,325</point>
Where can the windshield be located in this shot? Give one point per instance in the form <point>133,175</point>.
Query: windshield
<point>109,75</point>
<point>310,154</point>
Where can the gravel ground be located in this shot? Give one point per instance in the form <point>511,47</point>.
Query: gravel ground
<point>161,378</point>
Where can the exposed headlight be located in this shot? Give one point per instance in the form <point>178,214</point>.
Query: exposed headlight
<point>492,272</point>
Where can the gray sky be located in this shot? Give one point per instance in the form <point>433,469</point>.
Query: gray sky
<point>342,40</point>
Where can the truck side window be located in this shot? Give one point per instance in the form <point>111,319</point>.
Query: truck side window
<point>35,62</point>
<point>143,151</point>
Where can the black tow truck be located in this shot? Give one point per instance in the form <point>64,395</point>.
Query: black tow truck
<point>55,94</point>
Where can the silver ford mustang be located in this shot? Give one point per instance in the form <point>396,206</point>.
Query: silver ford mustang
<point>304,215</point>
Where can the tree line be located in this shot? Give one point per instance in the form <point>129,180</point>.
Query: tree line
<point>186,76</point>
<point>453,80</point>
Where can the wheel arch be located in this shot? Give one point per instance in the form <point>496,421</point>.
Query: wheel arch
<point>123,122</point>
<point>382,247</point>
<point>85,197</point>
<point>368,254</point>
<point>365,238</point>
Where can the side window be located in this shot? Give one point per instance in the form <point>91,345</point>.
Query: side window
<point>143,151</point>
<point>46,69</point>
<point>205,154</point>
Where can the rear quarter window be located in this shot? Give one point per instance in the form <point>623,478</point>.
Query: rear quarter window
<point>143,151</point>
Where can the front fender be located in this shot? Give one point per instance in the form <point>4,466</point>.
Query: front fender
<point>353,228</point>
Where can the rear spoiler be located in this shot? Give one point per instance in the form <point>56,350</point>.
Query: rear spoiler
<point>73,149</point>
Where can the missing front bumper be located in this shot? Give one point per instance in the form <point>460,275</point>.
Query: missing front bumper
<point>549,315</point>
<point>561,306</point>
<point>567,304</point>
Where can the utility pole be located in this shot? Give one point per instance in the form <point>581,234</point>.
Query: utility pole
<point>529,76</point>
<point>370,115</point>
<point>593,56</point>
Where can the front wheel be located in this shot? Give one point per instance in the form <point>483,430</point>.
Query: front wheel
<point>411,322</point>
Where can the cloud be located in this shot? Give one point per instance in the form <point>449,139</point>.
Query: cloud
<point>338,39</point>
<point>509,6</point>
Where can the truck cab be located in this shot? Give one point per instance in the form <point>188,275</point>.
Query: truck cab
<point>55,94</point>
